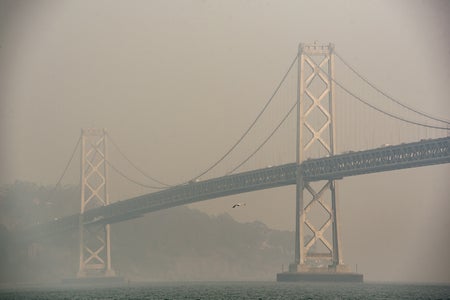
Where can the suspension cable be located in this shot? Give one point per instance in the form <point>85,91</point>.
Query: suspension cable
<point>132,180</point>
<point>53,190</point>
<point>374,107</point>
<point>252,125</point>
<point>68,163</point>
<point>118,171</point>
<point>266,140</point>
<point>134,165</point>
<point>387,95</point>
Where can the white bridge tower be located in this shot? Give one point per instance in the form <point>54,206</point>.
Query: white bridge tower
<point>317,237</point>
<point>95,243</point>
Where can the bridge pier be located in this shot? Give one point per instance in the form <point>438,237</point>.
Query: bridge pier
<point>318,252</point>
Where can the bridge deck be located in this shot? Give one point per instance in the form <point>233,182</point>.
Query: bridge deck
<point>423,153</point>
<point>428,152</point>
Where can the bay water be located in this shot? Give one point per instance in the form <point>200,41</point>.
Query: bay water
<point>232,290</point>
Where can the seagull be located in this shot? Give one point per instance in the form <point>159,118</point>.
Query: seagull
<point>238,204</point>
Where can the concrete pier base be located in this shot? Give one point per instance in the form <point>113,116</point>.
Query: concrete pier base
<point>332,273</point>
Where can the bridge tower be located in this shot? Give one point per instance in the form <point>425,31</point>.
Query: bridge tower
<point>317,239</point>
<point>95,244</point>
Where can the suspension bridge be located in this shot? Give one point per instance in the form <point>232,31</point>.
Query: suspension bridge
<point>317,156</point>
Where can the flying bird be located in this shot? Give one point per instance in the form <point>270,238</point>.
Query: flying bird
<point>238,204</point>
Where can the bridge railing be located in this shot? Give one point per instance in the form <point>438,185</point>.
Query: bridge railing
<point>376,160</point>
<point>193,192</point>
<point>425,152</point>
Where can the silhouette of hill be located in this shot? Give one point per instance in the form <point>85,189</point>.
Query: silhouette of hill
<point>185,244</point>
<point>174,244</point>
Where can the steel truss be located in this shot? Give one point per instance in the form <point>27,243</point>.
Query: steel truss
<point>425,152</point>
<point>431,152</point>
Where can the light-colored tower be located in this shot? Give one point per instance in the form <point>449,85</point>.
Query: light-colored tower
<point>95,244</point>
<point>317,239</point>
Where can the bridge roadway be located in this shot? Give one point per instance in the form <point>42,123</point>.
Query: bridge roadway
<point>425,152</point>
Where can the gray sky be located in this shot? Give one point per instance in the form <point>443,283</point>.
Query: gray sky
<point>177,82</point>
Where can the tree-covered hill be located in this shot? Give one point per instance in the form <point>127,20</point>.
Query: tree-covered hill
<point>173,244</point>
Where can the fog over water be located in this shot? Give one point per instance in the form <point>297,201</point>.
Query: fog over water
<point>176,83</point>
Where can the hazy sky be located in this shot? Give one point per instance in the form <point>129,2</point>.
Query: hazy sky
<point>177,82</point>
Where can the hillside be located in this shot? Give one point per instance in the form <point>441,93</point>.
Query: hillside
<point>174,244</point>
<point>185,244</point>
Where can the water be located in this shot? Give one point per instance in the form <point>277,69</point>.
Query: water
<point>234,290</point>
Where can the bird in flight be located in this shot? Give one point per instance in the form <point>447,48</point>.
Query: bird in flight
<point>238,204</point>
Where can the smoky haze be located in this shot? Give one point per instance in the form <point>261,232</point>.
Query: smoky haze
<point>176,83</point>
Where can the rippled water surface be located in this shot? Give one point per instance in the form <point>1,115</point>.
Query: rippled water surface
<point>234,290</point>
